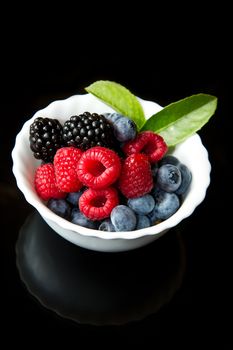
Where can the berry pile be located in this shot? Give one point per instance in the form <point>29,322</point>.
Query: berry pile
<point>86,180</point>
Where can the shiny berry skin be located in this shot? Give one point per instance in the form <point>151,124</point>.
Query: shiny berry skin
<point>166,204</point>
<point>169,159</point>
<point>45,182</point>
<point>45,138</point>
<point>123,218</point>
<point>149,143</point>
<point>65,163</point>
<point>98,204</point>
<point>73,197</point>
<point>124,128</point>
<point>186,176</point>
<point>136,177</point>
<point>106,225</point>
<point>168,178</point>
<point>142,222</point>
<point>99,167</point>
<point>88,130</point>
<point>60,207</point>
<point>142,205</point>
<point>79,218</point>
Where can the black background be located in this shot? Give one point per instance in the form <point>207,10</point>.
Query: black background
<point>33,78</point>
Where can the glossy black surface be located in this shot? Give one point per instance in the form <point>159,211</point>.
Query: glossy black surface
<point>156,293</point>
<point>98,288</point>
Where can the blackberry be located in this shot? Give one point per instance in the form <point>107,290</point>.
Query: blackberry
<point>88,130</point>
<point>45,138</point>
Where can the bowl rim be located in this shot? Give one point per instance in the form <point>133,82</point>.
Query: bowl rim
<point>30,195</point>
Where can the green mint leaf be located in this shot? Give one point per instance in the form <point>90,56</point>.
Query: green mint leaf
<point>181,119</point>
<point>119,98</point>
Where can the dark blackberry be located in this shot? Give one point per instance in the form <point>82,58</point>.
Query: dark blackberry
<point>45,138</point>
<point>88,130</point>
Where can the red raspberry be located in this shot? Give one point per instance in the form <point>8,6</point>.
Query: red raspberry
<point>99,167</point>
<point>148,142</point>
<point>45,182</point>
<point>98,204</point>
<point>136,176</point>
<point>65,163</point>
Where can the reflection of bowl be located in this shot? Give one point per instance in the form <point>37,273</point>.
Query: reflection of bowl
<point>191,152</point>
<point>86,286</point>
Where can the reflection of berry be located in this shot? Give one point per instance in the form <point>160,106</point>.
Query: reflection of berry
<point>65,163</point>
<point>88,130</point>
<point>98,204</point>
<point>149,143</point>
<point>45,138</point>
<point>136,176</point>
<point>98,167</point>
<point>45,182</point>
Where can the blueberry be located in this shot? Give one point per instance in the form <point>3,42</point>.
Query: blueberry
<point>166,204</point>
<point>142,205</point>
<point>112,117</point>
<point>106,225</point>
<point>79,219</point>
<point>142,222</point>
<point>154,169</point>
<point>73,197</point>
<point>60,207</point>
<point>169,178</point>
<point>169,159</point>
<point>153,216</point>
<point>123,218</point>
<point>186,177</point>
<point>124,128</point>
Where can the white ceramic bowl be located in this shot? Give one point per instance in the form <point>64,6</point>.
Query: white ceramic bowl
<point>191,152</point>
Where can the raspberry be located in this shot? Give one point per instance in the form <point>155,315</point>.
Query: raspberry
<point>148,142</point>
<point>98,204</point>
<point>136,176</point>
<point>45,182</point>
<point>65,163</point>
<point>99,167</point>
